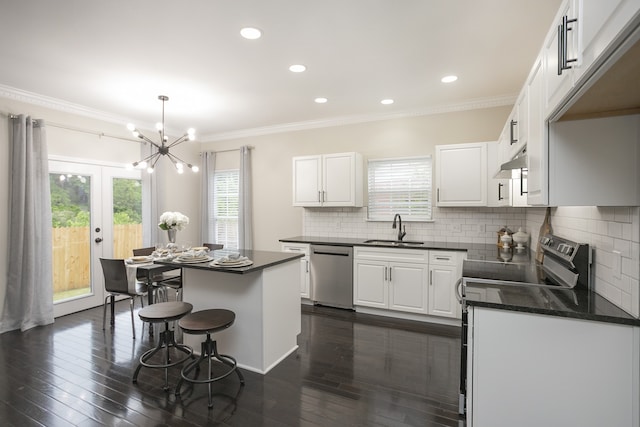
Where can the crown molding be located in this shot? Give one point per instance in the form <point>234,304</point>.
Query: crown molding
<point>55,104</point>
<point>71,108</point>
<point>474,104</point>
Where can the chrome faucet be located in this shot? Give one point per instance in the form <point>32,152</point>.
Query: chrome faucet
<point>401,231</point>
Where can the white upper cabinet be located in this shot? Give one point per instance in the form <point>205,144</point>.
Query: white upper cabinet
<point>561,50</point>
<point>537,144</point>
<point>599,24</point>
<point>328,180</point>
<point>461,174</point>
<point>498,190</point>
<point>518,125</point>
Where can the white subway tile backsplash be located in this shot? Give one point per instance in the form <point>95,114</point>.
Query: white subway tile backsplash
<point>604,228</point>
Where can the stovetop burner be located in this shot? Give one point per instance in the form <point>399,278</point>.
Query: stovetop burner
<point>566,264</point>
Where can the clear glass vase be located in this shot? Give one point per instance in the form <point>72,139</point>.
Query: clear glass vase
<point>172,235</point>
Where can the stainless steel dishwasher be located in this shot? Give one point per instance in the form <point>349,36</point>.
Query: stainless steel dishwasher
<point>332,275</point>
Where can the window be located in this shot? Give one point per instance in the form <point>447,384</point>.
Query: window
<point>225,207</point>
<point>400,186</point>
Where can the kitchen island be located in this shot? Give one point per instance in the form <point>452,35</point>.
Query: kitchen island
<point>265,297</point>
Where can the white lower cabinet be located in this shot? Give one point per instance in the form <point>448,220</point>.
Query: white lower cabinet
<point>445,268</point>
<point>402,280</point>
<point>394,279</point>
<point>305,287</point>
<point>533,370</point>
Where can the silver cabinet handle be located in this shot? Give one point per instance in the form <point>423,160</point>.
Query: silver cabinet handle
<point>307,261</point>
<point>512,137</point>
<point>319,196</point>
<point>459,290</point>
<point>443,258</point>
<point>430,277</point>
<point>390,270</point>
<point>385,274</point>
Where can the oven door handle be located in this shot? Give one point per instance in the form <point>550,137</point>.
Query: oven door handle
<point>459,290</point>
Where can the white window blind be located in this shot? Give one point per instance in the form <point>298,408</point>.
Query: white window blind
<point>225,207</point>
<point>400,186</point>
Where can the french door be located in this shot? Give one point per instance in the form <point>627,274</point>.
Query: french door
<point>96,213</point>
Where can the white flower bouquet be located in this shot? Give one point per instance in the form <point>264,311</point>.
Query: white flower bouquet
<point>173,221</point>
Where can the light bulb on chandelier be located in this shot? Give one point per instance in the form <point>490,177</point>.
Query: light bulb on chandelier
<point>163,147</point>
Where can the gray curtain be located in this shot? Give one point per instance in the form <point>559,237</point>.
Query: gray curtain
<point>245,209</point>
<point>29,294</point>
<point>208,170</point>
<point>150,196</point>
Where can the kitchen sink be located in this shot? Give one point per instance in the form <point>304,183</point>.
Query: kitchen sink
<point>409,243</point>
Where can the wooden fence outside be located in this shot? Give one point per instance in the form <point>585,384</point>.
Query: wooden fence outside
<point>72,249</point>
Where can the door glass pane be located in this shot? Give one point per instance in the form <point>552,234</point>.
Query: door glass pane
<point>127,216</point>
<point>71,220</point>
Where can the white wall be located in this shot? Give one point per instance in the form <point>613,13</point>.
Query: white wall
<point>274,215</point>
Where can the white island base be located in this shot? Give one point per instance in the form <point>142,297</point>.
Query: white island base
<point>267,308</point>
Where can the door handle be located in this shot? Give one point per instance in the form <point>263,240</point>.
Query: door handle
<point>98,239</point>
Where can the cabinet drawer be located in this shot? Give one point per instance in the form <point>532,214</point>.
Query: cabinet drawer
<point>296,247</point>
<point>391,255</point>
<point>443,257</point>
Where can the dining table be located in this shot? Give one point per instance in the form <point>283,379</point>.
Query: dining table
<point>145,273</point>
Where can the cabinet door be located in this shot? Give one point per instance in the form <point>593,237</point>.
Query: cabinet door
<point>599,23</point>
<point>558,85</point>
<point>461,174</point>
<point>307,181</point>
<point>442,297</point>
<point>517,126</point>
<point>408,287</point>
<point>498,190</point>
<point>538,144</point>
<point>370,284</point>
<point>305,277</point>
<point>339,180</point>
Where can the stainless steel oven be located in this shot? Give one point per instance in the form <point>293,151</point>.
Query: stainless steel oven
<point>565,264</point>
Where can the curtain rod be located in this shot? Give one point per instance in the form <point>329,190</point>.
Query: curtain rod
<point>76,129</point>
<point>250,147</point>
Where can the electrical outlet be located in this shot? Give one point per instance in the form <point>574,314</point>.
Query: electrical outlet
<point>482,228</point>
<point>617,265</point>
<point>457,228</point>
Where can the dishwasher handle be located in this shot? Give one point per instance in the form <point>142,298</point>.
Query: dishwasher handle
<point>331,250</point>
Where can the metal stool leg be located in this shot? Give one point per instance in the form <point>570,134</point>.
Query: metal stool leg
<point>166,340</point>
<point>209,350</point>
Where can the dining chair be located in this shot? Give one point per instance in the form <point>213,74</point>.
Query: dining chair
<point>168,279</point>
<point>116,283</point>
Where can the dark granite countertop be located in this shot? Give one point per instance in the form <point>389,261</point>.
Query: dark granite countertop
<point>562,302</point>
<point>475,251</point>
<point>479,248</point>
<point>261,260</point>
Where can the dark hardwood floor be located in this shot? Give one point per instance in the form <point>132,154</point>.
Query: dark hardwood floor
<point>350,370</point>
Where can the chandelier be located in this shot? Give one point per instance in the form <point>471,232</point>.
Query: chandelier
<point>163,147</point>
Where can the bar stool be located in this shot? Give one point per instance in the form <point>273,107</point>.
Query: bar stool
<point>164,312</point>
<point>208,322</point>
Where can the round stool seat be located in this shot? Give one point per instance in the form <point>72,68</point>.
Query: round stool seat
<point>207,321</point>
<point>165,311</point>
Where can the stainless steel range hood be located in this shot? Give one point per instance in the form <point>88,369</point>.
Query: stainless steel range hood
<point>518,162</point>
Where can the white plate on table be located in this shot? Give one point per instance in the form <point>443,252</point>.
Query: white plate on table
<point>239,263</point>
<point>192,260</point>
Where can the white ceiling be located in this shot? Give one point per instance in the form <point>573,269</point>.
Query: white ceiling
<point>113,58</point>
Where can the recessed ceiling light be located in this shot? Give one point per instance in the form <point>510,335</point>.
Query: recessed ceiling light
<point>321,100</point>
<point>251,33</point>
<point>297,68</point>
<point>449,79</point>
<point>387,101</point>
